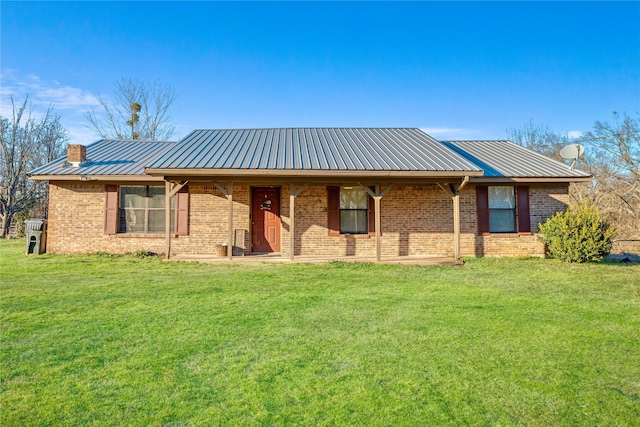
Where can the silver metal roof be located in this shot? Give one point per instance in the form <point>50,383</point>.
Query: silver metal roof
<point>109,157</point>
<point>310,149</point>
<point>313,149</point>
<point>508,159</point>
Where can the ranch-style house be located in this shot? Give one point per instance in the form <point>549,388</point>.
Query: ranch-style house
<point>301,192</point>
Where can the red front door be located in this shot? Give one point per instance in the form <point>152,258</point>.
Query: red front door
<point>265,219</point>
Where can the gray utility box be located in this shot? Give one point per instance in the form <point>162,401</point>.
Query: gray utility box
<point>35,231</point>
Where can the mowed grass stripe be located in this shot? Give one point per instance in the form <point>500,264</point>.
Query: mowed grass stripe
<point>118,340</point>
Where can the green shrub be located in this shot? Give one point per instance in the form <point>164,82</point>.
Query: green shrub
<point>20,218</point>
<point>578,234</point>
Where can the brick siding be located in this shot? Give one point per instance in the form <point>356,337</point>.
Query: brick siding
<point>76,153</point>
<point>415,220</point>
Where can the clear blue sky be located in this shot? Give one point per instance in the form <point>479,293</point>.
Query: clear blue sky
<point>456,69</point>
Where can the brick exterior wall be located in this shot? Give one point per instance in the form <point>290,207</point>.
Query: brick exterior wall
<point>415,220</point>
<point>544,201</point>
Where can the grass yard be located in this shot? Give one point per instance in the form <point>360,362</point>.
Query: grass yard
<point>119,340</point>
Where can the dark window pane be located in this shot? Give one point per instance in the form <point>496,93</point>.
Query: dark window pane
<point>502,220</point>
<point>122,223</point>
<point>156,221</point>
<point>156,197</point>
<point>353,221</point>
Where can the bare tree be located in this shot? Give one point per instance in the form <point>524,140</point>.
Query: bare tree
<point>614,161</point>
<point>613,158</point>
<point>139,111</point>
<point>618,144</point>
<point>539,138</point>
<point>52,139</point>
<point>26,143</point>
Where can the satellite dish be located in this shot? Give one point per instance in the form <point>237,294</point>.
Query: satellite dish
<point>572,152</point>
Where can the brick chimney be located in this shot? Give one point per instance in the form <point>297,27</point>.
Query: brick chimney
<point>76,154</point>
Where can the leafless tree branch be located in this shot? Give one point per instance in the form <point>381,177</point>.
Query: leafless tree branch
<point>114,119</point>
<point>26,144</point>
<point>612,157</point>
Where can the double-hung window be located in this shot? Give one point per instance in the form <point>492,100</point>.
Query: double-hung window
<point>503,209</point>
<point>350,211</point>
<point>142,209</point>
<point>353,210</point>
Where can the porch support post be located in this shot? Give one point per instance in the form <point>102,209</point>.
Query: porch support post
<point>167,219</point>
<point>292,222</point>
<point>456,225</point>
<point>170,190</point>
<point>377,196</point>
<point>454,191</point>
<point>228,193</point>
<point>230,222</point>
<point>376,200</point>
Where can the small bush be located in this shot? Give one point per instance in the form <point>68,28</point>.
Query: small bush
<point>20,218</point>
<point>143,253</point>
<point>578,234</point>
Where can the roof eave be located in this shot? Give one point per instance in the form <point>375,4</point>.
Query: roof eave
<point>546,179</point>
<point>90,177</point>
<point>308,173</point>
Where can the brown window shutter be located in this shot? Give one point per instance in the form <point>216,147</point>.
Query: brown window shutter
<point>111,209</point>
<point>371,215</point>
<point>482,202</point>
<point>524,216</point>
<point>333,210</point>
<point>182,211</point>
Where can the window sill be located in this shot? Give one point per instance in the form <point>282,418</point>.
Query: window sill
<point>353,236</point>
<point>143,235</point>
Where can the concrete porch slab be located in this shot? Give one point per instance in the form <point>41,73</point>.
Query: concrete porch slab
<point>277,258</point>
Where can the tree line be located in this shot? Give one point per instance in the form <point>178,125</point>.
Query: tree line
<point>612,157</point>
<point>26,143</point>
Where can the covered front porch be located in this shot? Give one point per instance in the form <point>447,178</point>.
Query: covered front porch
<point>306,218</point>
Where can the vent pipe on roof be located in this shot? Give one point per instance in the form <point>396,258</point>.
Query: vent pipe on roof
<point>76,155</point>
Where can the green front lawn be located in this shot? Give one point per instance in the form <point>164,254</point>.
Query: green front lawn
<point>118,340</point>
